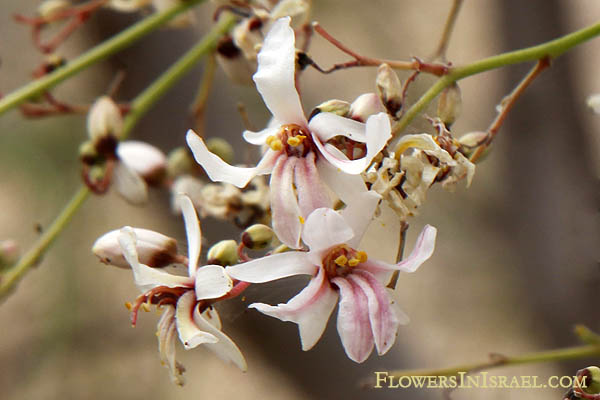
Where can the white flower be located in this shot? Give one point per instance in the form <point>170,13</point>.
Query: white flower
<point>299,156</point>
<point>366,316</point>
<point>187,299</point>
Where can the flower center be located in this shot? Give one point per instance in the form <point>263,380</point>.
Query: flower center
<point>293,139</point>
<point>340,260</point>
<point>158,296</point>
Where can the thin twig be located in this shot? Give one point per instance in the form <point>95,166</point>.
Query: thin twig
<point>394,279</point>
<point>199,105</point>
<point>440,52</point>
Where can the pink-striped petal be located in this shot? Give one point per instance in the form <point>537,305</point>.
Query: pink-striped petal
<point>224,348</point>
<point>219,171</point>
<point>275,77</point>
<point>212,282</point>
<point>273,267</point>
<point>189,333</point>
<point>287,218</point>
<point>384,321</point>
<point>311,193</point>
<point>310,309</point>
<point>323,229</point>
<point>353,323</point>
<point>193,232</point>
<point>345,186</point>
<point>328,125</point>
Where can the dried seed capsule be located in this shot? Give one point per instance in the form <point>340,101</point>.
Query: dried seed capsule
<point>389,89</point>
<point>450,104</point>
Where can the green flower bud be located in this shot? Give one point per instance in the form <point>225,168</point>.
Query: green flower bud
<point>88,153</point>
<point>221,148</point>
<point>281,249</point>
<point>9,253</point>
<point>180,162</point>
<point>449,104</point>
<point>257,236</point>
<point>223,253</point>
<point>589,379</point>
<point>338,107</point>
<point>104,120</point>
<point>389,89</point>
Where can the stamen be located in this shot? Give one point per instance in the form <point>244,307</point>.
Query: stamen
<point>301,219</point>
<point>341,260</point>
<point>362,256</point>
<point>275,144</point>
<point>128,305</point>
<point>353,262</point>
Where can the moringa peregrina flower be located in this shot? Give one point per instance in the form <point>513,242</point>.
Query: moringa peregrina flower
<point>297,148</point>
<point>366,316</point>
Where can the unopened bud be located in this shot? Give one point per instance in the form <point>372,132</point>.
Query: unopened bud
<point>146,160</point>
<point>154,249</point>
<point>364,106</point>
<point>282,248</point>
<point>221,148</point>
<point>50,7</point>
<point>299,10</point>
<point>223,253</point>
<point>593,102</point>
<point>450,104</point>
<point>589,379</point>
<point>9,253</point>
<point>180,162</point>
<point>233,62</point>
<point>389,88</point>
<point>182,20</point>
<point>257,236</point>
<point>88,153</point>
<point>104,120</point>
<point>470,141</point>
<point>338,107</point>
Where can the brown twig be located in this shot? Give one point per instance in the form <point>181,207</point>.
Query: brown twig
<point>440,52</point>
<point>199,105</point>
<point>396,274</point>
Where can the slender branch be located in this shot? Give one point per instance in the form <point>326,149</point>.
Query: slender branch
<point>394,278</point>
<point>92,56</point>
<point>448,29</point>
<point>507,104</point>
<point>140,105</point>
<point>550,50</point>
<point>199,105</point>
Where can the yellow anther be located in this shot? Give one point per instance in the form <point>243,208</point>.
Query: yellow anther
<point>270,139</point>
<point>341,260</point>
<point>301,219</point>
<point>275,144</point>
<point>145,307</point>
<point>295,140</point>
<point>362,256</point>
<point>128,306</point>
<point>353,262</point>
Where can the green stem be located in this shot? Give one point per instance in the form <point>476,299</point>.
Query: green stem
<point>94,55</point>
<point>551,49</point>
<point>140,106</point>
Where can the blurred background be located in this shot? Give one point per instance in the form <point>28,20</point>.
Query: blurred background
<point>516,265</point>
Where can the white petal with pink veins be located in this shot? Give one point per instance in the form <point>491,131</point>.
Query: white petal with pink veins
<point>275,77</point>
<point>147,278</point>
<point>311,193</point>
<point>422,251</point>
<point>212,282</point>
<point>224,348</point>
<point>353,323</point>
<point>385,229</point>
<point>285,210</point>
<point>270,268</point>
<point>345,186</point>
<point>323,229</point>
<point>219,171</point>
<point>359,213</point>
<point>384,322</point>
<point>189,333</point>
<point>310,309</point>
<point>328,125</point>
<point>193,232</point>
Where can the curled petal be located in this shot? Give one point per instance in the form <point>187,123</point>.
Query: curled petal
<point>219,171</point>
<point>275,77</point>
<point>166,344</point>
<point>353,323</point>
<point>193,232</point>
<point>190,334</point>
<point>384,321</point>
<point>287,222</point>
<point>310,309</point>
<point>425,142</point>
<point>311,193</point>
<point>212,282</point>
<point>260,137</point>
<point>130,185</point>
<point>224,347</point>
<point>272,267</point>
<point>325,228</point>
<point>328,125</point>
<point>145,277</point>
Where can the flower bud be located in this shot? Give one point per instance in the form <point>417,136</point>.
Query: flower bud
<point>257,236</point>
<point>221,148</point>
<point>9,253</point>
<point>127,5</point>
<point>88,153</point>
<point>182,20</point>
<point>154,249</point>
<point>589,379</point>
<point>223,253</point>
<point>104,120</point>
<point>50,7</point>
<point>235,65</point>
<point>470,141</point>
<point>364,106</point>
<point>338,107</point>
<point>144,159</point>
<point>180,162</point>
<point>389,88</point>
<point>449,104</point>
<point>282,248</point>
<point>297,9</point>
<point>593,102</point>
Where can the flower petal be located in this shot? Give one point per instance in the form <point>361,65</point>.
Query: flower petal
<point>212,282</point>
<point>193,232</point>
<point>384,322</point>
<point>166,344</point>
<point>284,203</point>
<point>145,277</point>
<point>275,77</point>
<point>311,193</point>
<point>190,333</point>
<point>345,186</point>
<point>310,309</point>
<point>353,323</point>
<point>270,268</point>
<point>378,133</point>
<point>224,348</point>
<point>325,228</point>
<point>219,171</point>
<point>130,185</point>
<point>328,125</point>
<point>383,235</point>
<point>359,213</point>
<point>260,137</point>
